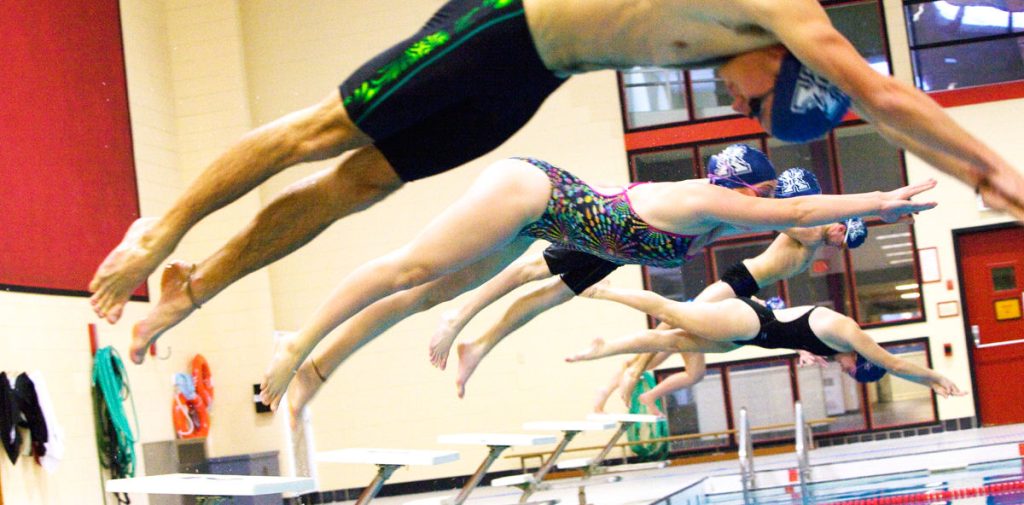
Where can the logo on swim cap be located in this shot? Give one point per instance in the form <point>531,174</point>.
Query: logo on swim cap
<point>867,371</point>
<point>738,166</point>
<point>806,105</point>
<point>797,182</point>
<point>856,232</point>
<point>775,303</point>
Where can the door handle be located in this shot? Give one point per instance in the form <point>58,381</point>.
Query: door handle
<point>976,335</point>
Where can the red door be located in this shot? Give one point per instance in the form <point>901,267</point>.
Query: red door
<point>992,282</point>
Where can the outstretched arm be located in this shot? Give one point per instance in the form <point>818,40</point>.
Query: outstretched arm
<point>841,328</point>
<point>903,114</point>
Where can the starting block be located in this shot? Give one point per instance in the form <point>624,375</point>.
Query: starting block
<point>387,461</point>
<point>530,483</point>
<point>496,443</point>
<point>210,485</point>
<point>592,466</point>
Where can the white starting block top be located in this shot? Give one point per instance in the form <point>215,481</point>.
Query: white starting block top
<point>500,439</point>
<point>513,480</point>
<point>401,457</point>
<point>625,418</point>
<point>570,425</point>
<point>210,485</point>
<point>573,463</point>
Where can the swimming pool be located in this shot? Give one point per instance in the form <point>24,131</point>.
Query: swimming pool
<point>998,482</point>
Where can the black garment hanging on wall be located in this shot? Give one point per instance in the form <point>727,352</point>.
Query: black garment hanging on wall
<point>9,415</point>
<point>31,414</point>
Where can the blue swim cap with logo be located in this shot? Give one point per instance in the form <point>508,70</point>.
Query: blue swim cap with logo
<point>868,371</point>
<point>856,232</point>
<point>739,166</point>
<point>795,182</point>
<point>806,106</point>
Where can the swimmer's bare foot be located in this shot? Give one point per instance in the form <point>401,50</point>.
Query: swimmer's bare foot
<point>444,337</point>
<point>650,402</point>
<point>175,305</point>
<point>124,269</point>
<point>280,372</point>
<point>303,388</point>
<point>592,352</point>
<point>469,357</point>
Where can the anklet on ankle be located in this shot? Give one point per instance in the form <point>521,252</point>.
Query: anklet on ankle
<point>317,370</point>
<point>188,289</point>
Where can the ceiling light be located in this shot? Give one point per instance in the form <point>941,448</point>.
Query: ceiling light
<point>910,296</point>
<point>892,235</point>
<point>897,246</point>
<point>904,287</point>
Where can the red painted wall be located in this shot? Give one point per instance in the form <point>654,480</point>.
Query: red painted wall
<point>67,175</point>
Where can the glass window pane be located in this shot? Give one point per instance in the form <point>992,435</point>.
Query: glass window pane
<point>679,284</point>
<point>827,392</point>
<point>932,22</point>
<point>866,161</point>
<point>654,96</point>
<point>884,272</point>
<point>710,98</point>
<point>728,255</point>
<point>697,409</point>
<point>707,151</point>
<point>861,23</point>
<point>895,401</point>
<point>813,156</point>
<point>824,282</point>
<point>664,166</point>
<point>1003,278</point>
<point>959,66</point>
<point>765,390</point>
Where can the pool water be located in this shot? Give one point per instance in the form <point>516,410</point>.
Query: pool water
<point>995,483</point>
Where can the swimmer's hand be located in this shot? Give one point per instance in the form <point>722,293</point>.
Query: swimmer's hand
<point>807,359</point>
<point>897,203</point>
<point>946,388</point>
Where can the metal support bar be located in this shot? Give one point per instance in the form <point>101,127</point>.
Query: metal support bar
<point>474,480</point>
<point>383,473</point>
<point>597,460</point>
<point>804,443</point>
<point>746,456</point>
<point>548,465</point>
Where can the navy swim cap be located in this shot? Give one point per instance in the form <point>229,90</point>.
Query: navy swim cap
<point>739,166</point>
<point>797,182</point>
<point>856,232</point>
<point>867,371</point>
<point>806,106</point>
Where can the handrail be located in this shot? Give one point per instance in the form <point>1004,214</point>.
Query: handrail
<point>673,438</point>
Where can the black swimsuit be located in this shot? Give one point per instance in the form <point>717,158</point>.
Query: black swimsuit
<point>455,90</point>
<point>795,334</point>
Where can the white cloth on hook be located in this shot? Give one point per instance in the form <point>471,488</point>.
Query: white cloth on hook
<point>55,439</point>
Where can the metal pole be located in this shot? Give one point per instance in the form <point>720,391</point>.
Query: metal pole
<point>479,475</point>
<point>804,443</point>
<point>746,453</point>
<point>548,465</point>
<point>371,490</point>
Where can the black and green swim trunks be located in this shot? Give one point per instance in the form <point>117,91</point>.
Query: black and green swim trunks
<point>454,91</point>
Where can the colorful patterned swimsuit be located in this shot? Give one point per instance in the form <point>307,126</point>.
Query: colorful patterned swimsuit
<point>606,226</point>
